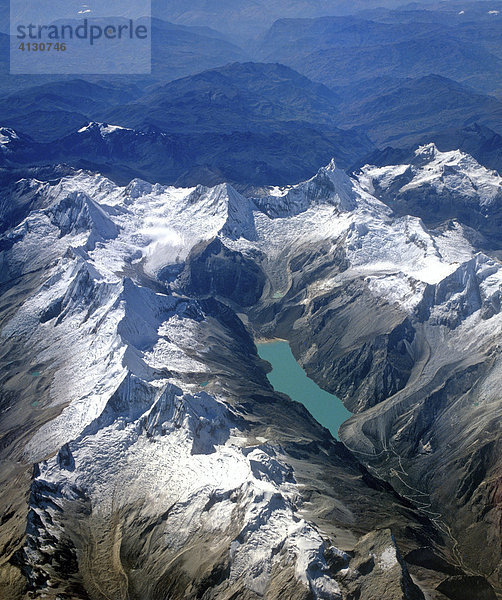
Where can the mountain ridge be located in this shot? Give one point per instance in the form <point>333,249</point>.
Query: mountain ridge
<point>98,279</point>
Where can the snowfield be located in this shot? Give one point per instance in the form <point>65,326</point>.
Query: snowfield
<point>133,424</point>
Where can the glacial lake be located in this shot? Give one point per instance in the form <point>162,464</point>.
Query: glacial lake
<point>288,377</point>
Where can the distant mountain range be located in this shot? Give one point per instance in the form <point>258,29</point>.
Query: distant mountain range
<point>338,51</point>
<point>245,158</point>
<point>398,75</point>
<point>177,51</point>
<point>252,124</point>
<point>416,109</point>
<point>248,123</point>
<point>381,77</point>
<point>248,18</point>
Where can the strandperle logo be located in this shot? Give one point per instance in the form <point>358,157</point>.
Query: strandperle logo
<point>84,31</point>
<point>70,37</point>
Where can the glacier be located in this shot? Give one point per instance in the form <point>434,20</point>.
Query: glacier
<point>148,483</point>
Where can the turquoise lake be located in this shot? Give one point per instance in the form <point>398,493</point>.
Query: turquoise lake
<point>288,377</point>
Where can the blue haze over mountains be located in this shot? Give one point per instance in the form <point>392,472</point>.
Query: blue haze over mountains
<point>338,173</point>
<point>260,93</point>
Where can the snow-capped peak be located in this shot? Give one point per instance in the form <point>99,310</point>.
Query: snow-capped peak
<point>452,172</point>
<point>103,128</point>
<point>7,135</point>
<point>330,185</point>
<point>427,151</point>
<point>225,201</point>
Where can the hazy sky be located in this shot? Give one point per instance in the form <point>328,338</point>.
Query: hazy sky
<point>46,11</point>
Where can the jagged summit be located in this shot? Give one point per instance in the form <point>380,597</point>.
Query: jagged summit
<point>226,203</point>
<point>331,185</point>
<point>75,213</point>
<point>453,172</point>
<point>7,135</point>
<point>438,186</point>
<point>157,418</point>
<point>475,287</point>
<point>103,129</point>
<point>427,151</point>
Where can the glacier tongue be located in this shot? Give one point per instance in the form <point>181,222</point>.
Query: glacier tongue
<point>137,462</point>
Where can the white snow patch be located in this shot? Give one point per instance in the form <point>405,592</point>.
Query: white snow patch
<point>388,558</point>
<point>7,135</point>
<point>103,128</point>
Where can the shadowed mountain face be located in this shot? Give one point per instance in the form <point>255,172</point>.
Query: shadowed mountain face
<point>150,454</point>
<point>417,109</point>
<point>245,158</point>
<point>239,97</point>
<point>55,109</point>
<point>252,124</point>
<point>338,51</point>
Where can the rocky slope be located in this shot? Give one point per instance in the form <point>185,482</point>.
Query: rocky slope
<point>148,457</point>
<point>403,323</point>
<point>437,186</point>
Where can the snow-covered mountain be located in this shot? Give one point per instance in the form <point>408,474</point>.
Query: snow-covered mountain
<point>437,186</point>
<point>455,172</point>
<point>165,465</point>
<point>7,136</point>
